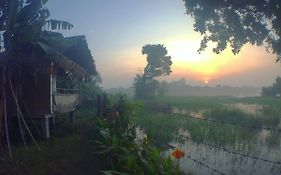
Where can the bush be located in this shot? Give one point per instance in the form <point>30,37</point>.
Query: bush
<point>124,154</point>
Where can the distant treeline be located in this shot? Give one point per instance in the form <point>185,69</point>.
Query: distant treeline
<point>180,88</point>
<point>218,90</point>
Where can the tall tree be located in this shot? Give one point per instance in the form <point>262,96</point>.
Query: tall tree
<point>237,22</point>
<point>158,64</point>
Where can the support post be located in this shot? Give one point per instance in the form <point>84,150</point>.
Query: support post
<point>54,120</point>
<point>46,126</point>
<point>71,116</point>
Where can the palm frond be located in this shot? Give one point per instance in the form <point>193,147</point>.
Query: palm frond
<point>53,24</point>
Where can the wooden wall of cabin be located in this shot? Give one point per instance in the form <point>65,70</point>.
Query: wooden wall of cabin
<point>36,91</point>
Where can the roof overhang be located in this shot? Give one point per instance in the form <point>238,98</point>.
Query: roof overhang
<point>67,65</point>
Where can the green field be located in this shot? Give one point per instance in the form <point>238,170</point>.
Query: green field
<point>151,118</point>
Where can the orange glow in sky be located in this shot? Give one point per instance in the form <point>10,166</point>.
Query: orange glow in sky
<point>207,65</point>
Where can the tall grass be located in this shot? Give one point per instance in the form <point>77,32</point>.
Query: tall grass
<point>199,103</point>
<point>271,115</point>
<point>268,117</point>
<point>164,127</point>
<point>160,127</point>
<point>217,134</point>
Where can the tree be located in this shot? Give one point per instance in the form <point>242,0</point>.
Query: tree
<point>164,88</point>
<point>158,64</point>
<point>273,90</point>
<point>237,22</point>
<point>268,92</point>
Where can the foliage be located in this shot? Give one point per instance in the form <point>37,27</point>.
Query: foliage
<point>158,64</point>
<point>22,21</point>
<point>268,91</point>
<point>145,87</point>
<point>163,89</point>
<point>273,90</point>
<point>128,157</point>
<point>123,152</point>
<point>89,90</point>
<point>237,23</point>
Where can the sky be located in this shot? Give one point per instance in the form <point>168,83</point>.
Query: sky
<point>116,31</point>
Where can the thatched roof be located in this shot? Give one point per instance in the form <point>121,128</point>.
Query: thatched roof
<point>79,53</point>
<point>71,53</point>
<point>68,65</point>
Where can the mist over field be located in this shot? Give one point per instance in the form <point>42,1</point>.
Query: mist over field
<point>178,89</point>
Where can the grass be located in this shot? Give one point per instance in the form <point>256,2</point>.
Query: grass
<point>70,151</point>
<point>164,128</point>
<point>217,134</point>
<point>199,103</point>
<point>155,125</point>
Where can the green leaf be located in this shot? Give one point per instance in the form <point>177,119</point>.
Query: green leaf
<point>114,141</point>
<point>105,133</point>
<point>147,167</point>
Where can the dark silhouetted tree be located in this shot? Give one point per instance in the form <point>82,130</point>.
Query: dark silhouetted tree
<point>237,22</point>
<point>273,90</point>
<point>158,64</point>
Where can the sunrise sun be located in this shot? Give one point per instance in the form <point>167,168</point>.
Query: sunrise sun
<point>206,82</point>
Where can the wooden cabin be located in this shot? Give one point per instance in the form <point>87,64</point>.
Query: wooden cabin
<point>39,96</point>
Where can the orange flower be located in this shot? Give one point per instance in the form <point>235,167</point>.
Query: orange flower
<point>178,153</point>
